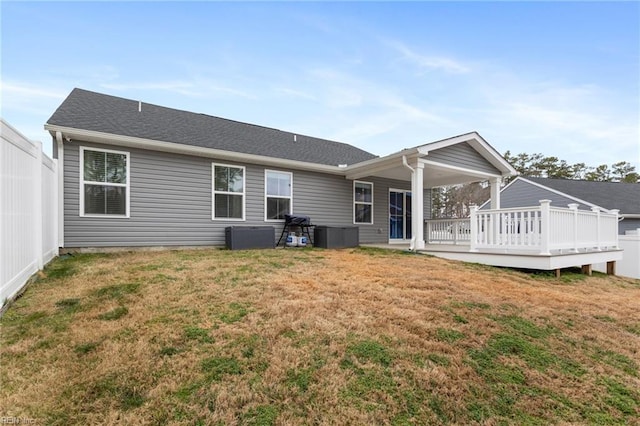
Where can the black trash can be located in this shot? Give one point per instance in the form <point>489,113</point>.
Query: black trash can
<point>336,236</point>
<point>249,237</point>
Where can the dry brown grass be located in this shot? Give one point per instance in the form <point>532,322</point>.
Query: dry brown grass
<point>318,337</point>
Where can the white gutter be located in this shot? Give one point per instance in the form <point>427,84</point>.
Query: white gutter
<point>60,147</point>
<point>406,164</point>
<point>133,142</point>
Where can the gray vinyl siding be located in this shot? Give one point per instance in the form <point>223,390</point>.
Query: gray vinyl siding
<point>628,225</point>
<point>462,155</point>
<point>171,202</point>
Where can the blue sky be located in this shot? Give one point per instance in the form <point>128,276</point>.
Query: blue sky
<point>557,78</point>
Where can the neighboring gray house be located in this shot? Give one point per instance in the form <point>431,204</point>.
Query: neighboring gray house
<point>607,196</point>
<point>136,174</point>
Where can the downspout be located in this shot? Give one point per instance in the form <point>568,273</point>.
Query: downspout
<point>412,243</point>
<point>60,166</point>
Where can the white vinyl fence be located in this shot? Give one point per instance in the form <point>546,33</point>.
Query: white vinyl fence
<point>28,212</point>
<point>629,266</point>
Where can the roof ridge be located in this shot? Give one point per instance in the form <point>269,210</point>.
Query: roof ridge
<point>577,180</point>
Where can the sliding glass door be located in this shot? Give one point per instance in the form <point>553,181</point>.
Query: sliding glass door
<point>399,215</point>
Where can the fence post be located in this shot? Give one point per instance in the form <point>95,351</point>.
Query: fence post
<point>37,214</point>
<point>545,226</point>
<point>574,207</point>
<point>473,225</point>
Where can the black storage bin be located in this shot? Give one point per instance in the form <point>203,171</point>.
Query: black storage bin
<point>336,236</point>
<point>249,237</point>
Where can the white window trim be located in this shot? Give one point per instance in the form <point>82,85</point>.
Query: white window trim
<point>290,197</point>
<point>353,198</point>
<point>126,185</point>
<point>214,192</point>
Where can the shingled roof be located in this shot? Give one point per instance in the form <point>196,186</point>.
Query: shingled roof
<point>609,195</point>
<point>98,112</point>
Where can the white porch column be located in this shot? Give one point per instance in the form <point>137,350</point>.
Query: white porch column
<point>495,192</point>
<point>417,206</point>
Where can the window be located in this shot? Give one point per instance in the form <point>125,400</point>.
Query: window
<point>278,198</point>
<point>228,192</point>
<point>362,202</point>
<point>104,182</point>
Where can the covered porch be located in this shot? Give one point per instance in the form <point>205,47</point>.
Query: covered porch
<point>538,237</point>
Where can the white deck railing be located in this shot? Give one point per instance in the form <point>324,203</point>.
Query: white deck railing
<point>449,231</point>
<point>541,229</point>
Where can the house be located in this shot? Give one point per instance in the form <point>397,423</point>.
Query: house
<point>605,196</point>
<point>136,174</point>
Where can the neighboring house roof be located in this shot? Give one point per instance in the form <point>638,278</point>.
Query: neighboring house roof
<point>96,112</point>
<point>607,195</point>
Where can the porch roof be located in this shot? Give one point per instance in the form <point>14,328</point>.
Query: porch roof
<point>438,170</point>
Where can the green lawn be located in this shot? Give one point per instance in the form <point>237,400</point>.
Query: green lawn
<point>313,336</point>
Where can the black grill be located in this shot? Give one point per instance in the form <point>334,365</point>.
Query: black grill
<point>295,220</point>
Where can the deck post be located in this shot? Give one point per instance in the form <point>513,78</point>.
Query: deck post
<point>473,227</point>
<point>617,213</point>
<point>611,267</point>
<point>574,207</point>
<point>427,232</point>
<point>545,226</point>
<point>596,210</point>
<point>587,270</point>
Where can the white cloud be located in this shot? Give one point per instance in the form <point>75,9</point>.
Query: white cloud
<point>14,88</point>
<point>363,112</point>
<point>293,93</point>
<point>195,88</point>
<point>28,98</point>
<point>576,123</point>
<point>27,106</point>
<point>429,62</point>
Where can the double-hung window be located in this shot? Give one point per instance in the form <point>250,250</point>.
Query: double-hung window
<point>228,192</point>
<point>362,202</point>
<point>104,182</point>
<point>278,194</point>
